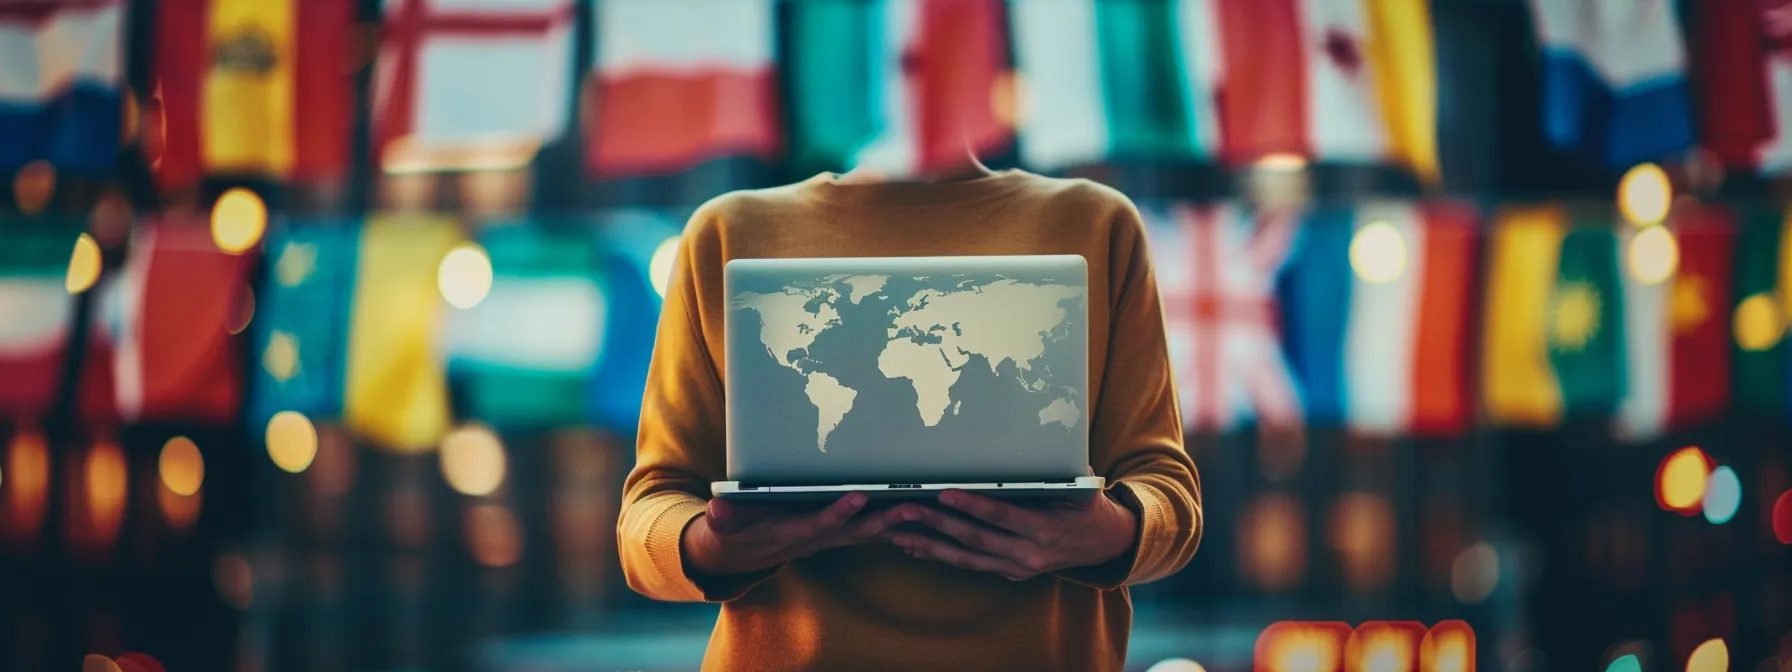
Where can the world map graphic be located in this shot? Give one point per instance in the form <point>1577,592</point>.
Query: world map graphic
<point>933,328</point>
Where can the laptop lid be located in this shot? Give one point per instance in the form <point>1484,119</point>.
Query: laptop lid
<point>907,369</point>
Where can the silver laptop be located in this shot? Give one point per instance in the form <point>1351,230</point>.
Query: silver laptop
<point>902,376</point>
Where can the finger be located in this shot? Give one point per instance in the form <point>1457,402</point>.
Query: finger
<point>940,551</point>
<point>724,518</point>
<point>979,537</point>
<point>1000,514</point>
<point>808,527</point>
<point>878,525</point>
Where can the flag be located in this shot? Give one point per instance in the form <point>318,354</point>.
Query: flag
<point>1383,348</point>
<point>1677,336</point>
<point>1730,52</point>
<point>527,350</point>
<point>1765,94</point>
<point>1614,78</point>
<point>634,245</point>
<point>1103,79</point>
<point>1333,80</point>
<point>36,314</point>
<point>260,87</point>
<point>680,81</point>
<point>899,86</point>
<point>1555,311</point>
<point>459,77</point>
<point>60,83</point>
<point>301,321</point>
<point>1217,267</point>
<point>395,391</point>
<point>1762,313</point>
<point>160,344</point>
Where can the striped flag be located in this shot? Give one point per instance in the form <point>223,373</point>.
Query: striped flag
<point>631,242</point>
<point>160,346</point>
<point>898,86</point>
<point>1106,79</point>
<point>1614,78</point>
<point>1376,309</point>
<point>1677,330</point>
<point>301,321</point>
<point>1762,314</point>
<point>1333,80</point>
<point>1217,267</point>
<point>1731,51</point>
<point>681,81</point>
<point>395,390</point>
<point>457,77</point>
<point>528,349</point>
<point>59,83</point>
<point>1554,341</point>
<point>257,87</point>
<point>36,313</point>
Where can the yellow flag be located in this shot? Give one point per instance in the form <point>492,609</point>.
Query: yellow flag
<point>247,104</point>
<point>1401,53</point>
<point>1520,382</point>
<point>396,390</point>
<point>1785,282</point>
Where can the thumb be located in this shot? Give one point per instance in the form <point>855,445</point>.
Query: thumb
<point>723,518</point>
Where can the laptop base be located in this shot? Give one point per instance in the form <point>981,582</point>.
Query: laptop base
<point>1067,489</point>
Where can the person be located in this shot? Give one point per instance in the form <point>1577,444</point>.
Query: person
<point>966,582</point>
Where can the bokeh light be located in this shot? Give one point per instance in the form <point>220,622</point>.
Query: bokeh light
<point>292,441</point>
<point>1711,656</point>
<point>139,662</point>
<point>473,460</point>
<point>494,535</point>
<point>1644,195</point>
<point>234,579</point>
<point>179,511</point>
<point>34,186</point>
<point>1378,253</point>
<point>659,267</point>
<point>1625,663</point>
<point>465,275</point>
<point>239,219</point>
<point>27,491</point>
<point>1273,547</point>
<point>1302,647</point>
<point>1680,481</point>
<point>1176,665</point>
<point>1448,647</point>
<point>1654,255</point>
<point>181,466</point>
<point>1758,323</point>
<point>94,662</point>
<point>1282,162</point>
<point>1723,495</point>
<point>1381,646</point>
<point>1475,574</point>
<point>1363,533</point>
<point>1782,518</point>
<point>244,313</point>
<point>108,489</point>
<point>83,265</point>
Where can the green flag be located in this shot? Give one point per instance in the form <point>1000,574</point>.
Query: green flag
<point>835,79</point>
<point>1586,321</point>
<point>1763,370</point>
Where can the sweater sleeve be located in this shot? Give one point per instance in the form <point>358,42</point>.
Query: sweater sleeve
<point>679,448</point>
<point>1135,438</point>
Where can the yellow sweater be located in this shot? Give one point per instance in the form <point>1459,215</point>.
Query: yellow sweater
<point>871,607</point>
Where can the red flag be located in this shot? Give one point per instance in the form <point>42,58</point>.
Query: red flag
<point>1729,56</point>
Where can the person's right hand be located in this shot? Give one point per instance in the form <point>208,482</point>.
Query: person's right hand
<point>736,539</point>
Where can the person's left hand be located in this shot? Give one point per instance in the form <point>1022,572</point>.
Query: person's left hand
<point>1018,542</point>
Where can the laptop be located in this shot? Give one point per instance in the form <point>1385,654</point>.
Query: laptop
<point>903,376</point>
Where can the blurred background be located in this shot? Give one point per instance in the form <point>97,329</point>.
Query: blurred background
<point>324,323</point>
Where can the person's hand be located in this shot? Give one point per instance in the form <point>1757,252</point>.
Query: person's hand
<point>736,539</point>
<point>1017,542</point>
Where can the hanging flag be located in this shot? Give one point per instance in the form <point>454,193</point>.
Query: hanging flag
<point>899,86</point>
<point>1103,80</point>
<point>1555,311</point>
<point>681,81</point>
<point>1376,316</point>
<point>395,391</point>
<point>301,322</point>
<point>1217,267</point>
<point>1677,330</point>
<point>1333,80</point>
<point>1766,95</point>
<point>527,351</point>
<point>36,314</point>
<point>160,344</point>
<point>1762,313</point>
<point>60,84</point>
<point>1730,51</point>
<point>637,248</point>
<point>1614,78</point>
<point>458,79</point>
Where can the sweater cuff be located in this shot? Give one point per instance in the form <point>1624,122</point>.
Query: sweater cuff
<point>1117,573</point>
<point>665,546</point>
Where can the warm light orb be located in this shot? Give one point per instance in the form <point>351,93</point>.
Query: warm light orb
<point>659,268</point>
<point>292,441</point>
<point>1475,573</point>
<point>1449,647</point>
<point>34,186</point>
<point>83,265</point>
<point>1758,323</point>
<point>234,579</point>
<point>94,662</point>
<point>494,535</point>
<point>28,467</point>
<point>1654,255</point>
<point>1378,253</point>
<point>1282,162</point>
<point>108,489</point>
<point>1782,518</point>
<point>1176,665</point>
<point>238,220</point>
<point>1644,195</point>
<point>181,466</point>
<point>1711,656</point>
<point>1723,495</point>
<point>465,275</point>
<point>473,460</point>
<point>1680,482</point>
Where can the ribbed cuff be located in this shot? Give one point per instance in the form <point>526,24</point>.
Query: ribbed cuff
<point>665,547</point>
<point>1117,573</point>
